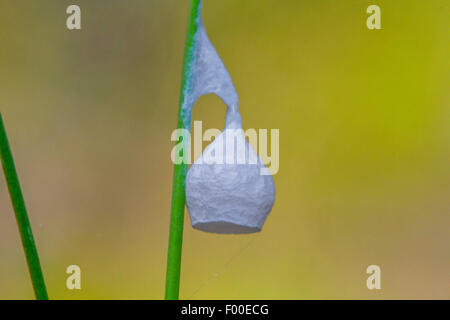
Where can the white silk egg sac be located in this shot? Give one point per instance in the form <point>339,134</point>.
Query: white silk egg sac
<point>228,189</point>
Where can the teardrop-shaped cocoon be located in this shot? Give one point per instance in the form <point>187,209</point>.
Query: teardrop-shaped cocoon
<point>229,190</point>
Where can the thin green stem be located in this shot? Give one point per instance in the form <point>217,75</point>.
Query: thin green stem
<point>179,178</point>
<point>20,210</point>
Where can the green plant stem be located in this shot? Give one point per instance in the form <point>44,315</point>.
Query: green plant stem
<point>20,210</point>
<point>178,191</point>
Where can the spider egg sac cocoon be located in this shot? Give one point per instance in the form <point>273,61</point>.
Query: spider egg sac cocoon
<point>228,189</point>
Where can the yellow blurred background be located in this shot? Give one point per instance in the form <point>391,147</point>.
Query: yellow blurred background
<point>364,147</point>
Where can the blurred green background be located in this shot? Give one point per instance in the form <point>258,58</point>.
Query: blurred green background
<point>364,147</point>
